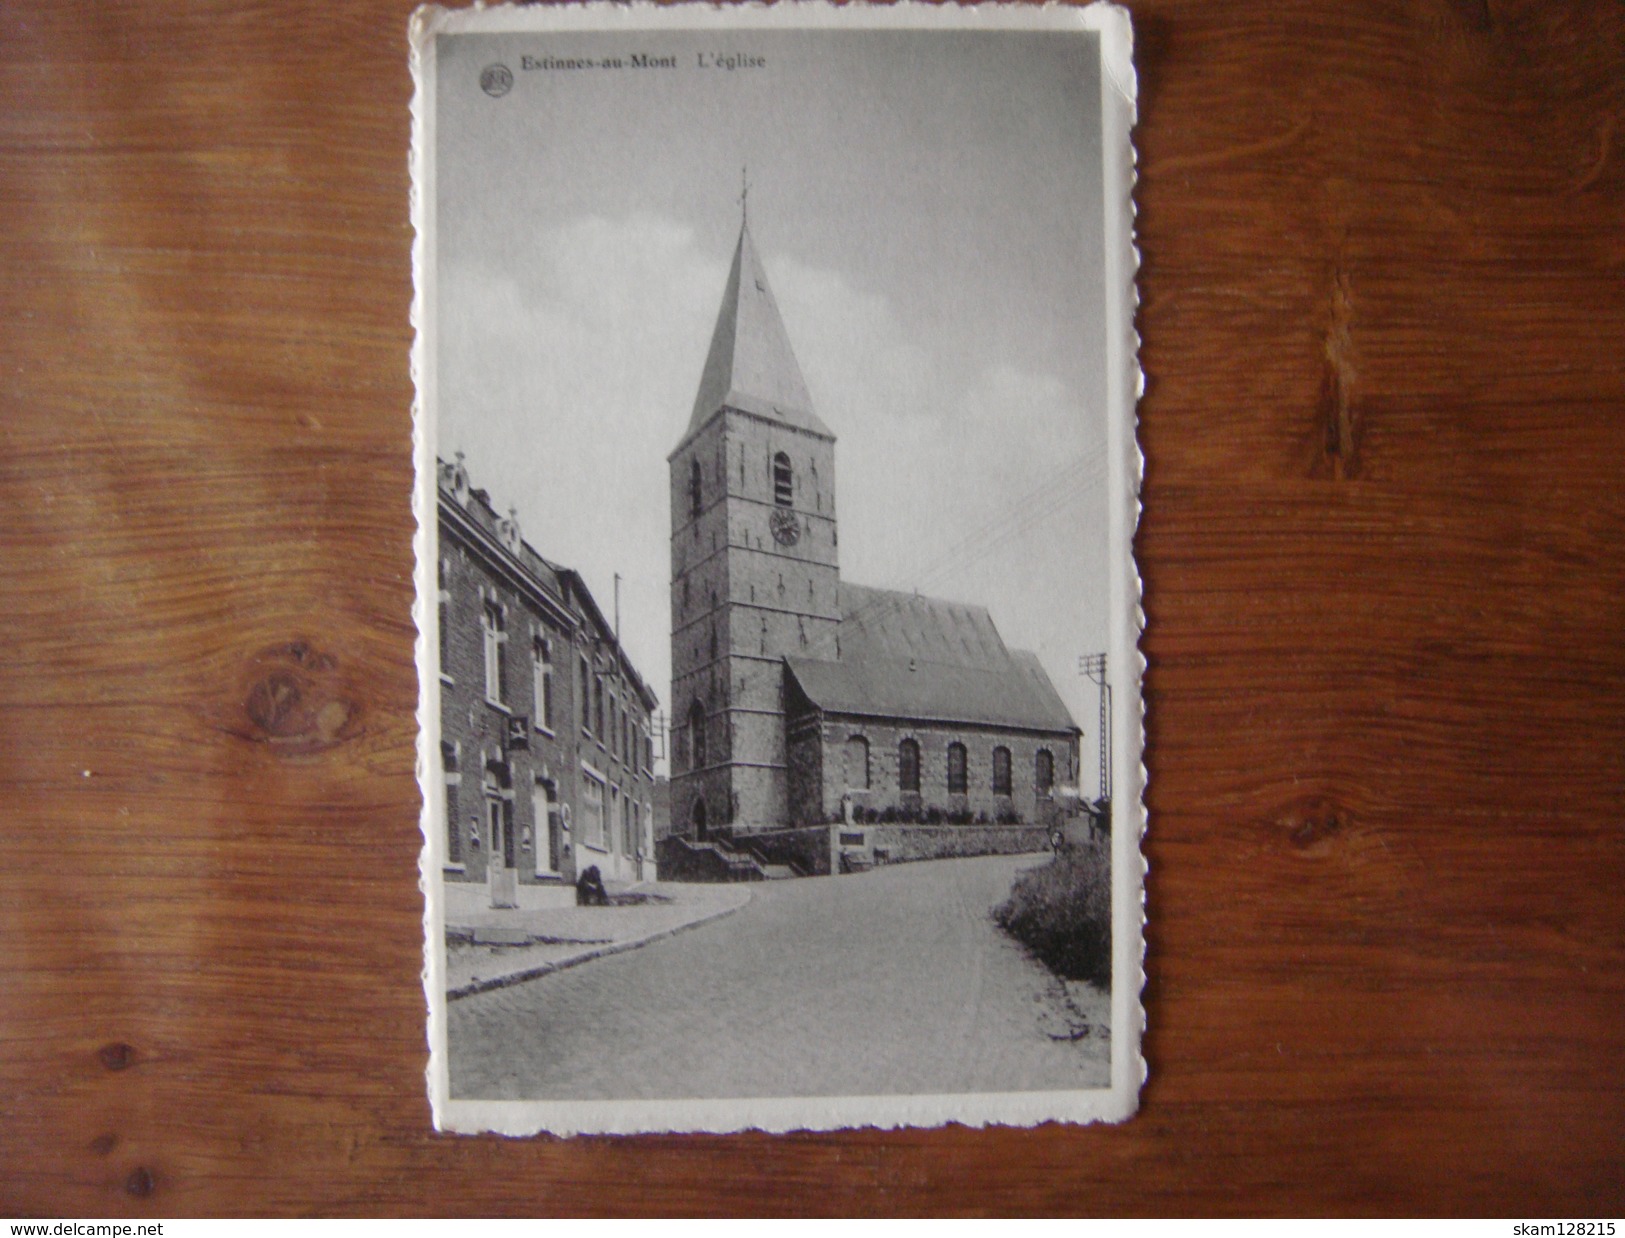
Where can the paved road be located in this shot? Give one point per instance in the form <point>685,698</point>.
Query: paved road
<point>891,981</point>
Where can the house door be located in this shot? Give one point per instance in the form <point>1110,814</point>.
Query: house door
<point>546,817</point>
<point>500,863</point>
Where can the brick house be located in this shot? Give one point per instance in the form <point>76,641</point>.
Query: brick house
<point>795,693</point>
<point>546,748</point>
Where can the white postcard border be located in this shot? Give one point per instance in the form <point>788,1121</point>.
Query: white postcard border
<point>1125,384</point>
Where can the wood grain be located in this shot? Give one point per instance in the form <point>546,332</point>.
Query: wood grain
<point>1383,317</point>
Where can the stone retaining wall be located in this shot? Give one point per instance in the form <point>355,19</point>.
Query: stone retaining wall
<point>807,848</point>
<point>897,844</point>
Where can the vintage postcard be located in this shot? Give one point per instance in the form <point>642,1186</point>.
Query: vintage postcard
<point>777,478</point>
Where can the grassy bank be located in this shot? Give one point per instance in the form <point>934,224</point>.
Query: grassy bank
<point>1062,912</point>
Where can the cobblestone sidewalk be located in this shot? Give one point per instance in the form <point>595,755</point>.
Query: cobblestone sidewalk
<point>489,949</point>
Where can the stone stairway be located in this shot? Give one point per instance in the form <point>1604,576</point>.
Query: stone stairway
<point>716,859</point>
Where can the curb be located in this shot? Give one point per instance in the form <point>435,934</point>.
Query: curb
<point>586,956</point>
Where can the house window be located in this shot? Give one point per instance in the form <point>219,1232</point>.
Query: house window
<point>857,763</point>
<point>615,839</point>
<point>445,615</point>
<point>956,769</point>
<point>454,837</point>
<point>598,708</point>
<point>783,480</point>
<point>1044,771</point>
<point>543,683</point>
<point>495,639</point>
<point>1001,771</point>
<point>908,766</point>
<point>592,811</point>
<point>696,734</point>
<point>696,490</point>
<point>584,695</point>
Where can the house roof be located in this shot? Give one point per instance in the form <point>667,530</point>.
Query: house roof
<point>907,656</point>
<point>751,365</point>
<point>547,579</point>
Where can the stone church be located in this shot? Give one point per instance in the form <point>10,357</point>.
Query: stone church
<point>796,696</point>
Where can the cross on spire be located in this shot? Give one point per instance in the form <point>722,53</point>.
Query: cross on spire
<point>744,195</point>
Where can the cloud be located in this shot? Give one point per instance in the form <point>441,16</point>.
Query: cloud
<point>566,377</point>
<point>945,455</point>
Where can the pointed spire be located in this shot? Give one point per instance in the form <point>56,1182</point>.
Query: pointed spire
<point>751,365</point>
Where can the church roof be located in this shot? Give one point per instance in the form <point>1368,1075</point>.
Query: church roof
<point>907,656</point>
<point>751,365</point>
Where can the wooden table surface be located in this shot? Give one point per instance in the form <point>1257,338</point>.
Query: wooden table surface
<point>1384,331</point>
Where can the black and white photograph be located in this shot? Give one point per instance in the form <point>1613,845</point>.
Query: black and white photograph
<point>777,480</point>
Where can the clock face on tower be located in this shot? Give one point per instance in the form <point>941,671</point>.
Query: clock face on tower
<point>786,528</point>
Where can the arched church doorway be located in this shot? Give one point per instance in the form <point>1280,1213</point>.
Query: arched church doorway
<point>702,829</point>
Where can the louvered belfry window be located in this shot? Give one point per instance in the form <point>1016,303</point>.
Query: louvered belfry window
<point>783,480</point>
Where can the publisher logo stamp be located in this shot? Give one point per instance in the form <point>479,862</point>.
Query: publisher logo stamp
<point>496,80</point>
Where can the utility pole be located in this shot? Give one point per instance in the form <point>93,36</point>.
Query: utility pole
<point>617,614</point>
<point>1093,665</point>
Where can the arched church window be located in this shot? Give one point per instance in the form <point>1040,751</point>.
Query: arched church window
<point>783,481</point>
<point>957,781</point>
<point>908,766</point>
<point>1001,771</point>
<point>1044,771</point>
<point>696,734</point>
<point>857,763</point>
<point>696,489</point>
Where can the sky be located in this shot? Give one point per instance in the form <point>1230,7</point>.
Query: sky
<point>928,208</point>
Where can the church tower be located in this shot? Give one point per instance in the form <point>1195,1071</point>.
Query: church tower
<point>754,572</point>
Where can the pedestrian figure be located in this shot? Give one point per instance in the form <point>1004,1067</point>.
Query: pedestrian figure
<point>590,890</point>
